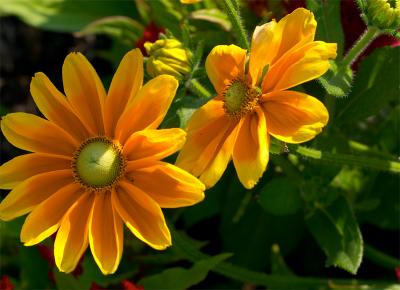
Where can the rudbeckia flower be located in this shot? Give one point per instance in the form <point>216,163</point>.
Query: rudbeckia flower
<point>96,163</point>
<point>254,100</point>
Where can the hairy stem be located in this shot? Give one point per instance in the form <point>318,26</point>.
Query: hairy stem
<point>237,23</point>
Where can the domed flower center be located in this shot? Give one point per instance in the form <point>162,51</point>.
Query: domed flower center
<point>98,163</point>
<point>240,98</point>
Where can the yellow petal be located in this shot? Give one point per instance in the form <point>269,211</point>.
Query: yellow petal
<point>32,133</point>
<point>225,63</point>
<point>294,117</point>
<point>154,144</point>
<point>31,192</point>
<point>124,86</point>
<point>72,236</point>
<point>142,215</point>
<point>55,107</point>
<point>169,185</point>
<point>207,131</point>
<point>85,91</point>
<point>105,234</point>
<point>148,108</point>
<point>45,219</point>
<point>250,154</point>
<point>25,166</point>
<point>304,64</point>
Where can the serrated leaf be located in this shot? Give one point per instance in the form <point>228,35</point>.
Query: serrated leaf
<point>280,197</point>
<point>376,84</point>
<point>337,81</point>
<point>214,15</point>
<point>122,28</point>
<point>180,278</point>
<point>336,231</point>
<point>64,15</point>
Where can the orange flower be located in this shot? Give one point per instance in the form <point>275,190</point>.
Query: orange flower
<point>253,103</point>
<point>96,163</point>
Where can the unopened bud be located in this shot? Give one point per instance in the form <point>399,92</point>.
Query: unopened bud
<point>383,14</point>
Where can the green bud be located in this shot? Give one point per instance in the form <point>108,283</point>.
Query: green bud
<point>168,56</point>
<point>384,14</point>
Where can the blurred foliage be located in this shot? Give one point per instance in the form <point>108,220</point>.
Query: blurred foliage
<point>315,203</point>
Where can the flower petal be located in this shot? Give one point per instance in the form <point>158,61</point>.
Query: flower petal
<point>32,133</point>
<point>25,166</point>
<point>85,91</point>
<point>250,154</point>
<point>124,86</point>
<point>55,107</point>
<point>31,192</point>
<point>294,117</point>
<point>154,144</point>
<point>304,64</point>
<point>207,131</point>
<point>169,185</point>
<point>72,236</point>
<point>225,63</point>
<point>45,219</point>
<point>105,234</point>
<point>142,215</point>
<point>148,108</point>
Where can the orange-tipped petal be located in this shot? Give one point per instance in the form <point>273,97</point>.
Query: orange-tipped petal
<point>148,108</point>
<point>142,215</point>
<point>72,236</point>
<point>31,192</point>
<point>55,107</point>
<point>25,166</point>
<point>169,185</point>
<point>45,219</point>
<point>105,234</point>
<point>154,144</point>
<point>124,86</point>
<point>32,133</point>
<point>294,117</point>
<point>251,153</point>
<point>225,63</point>
<point>85,91</point>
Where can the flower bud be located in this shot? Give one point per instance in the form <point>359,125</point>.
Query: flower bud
<point>167,56</point>
<point>383,14</point>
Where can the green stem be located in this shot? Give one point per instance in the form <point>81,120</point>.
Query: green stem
<point>347,159</point>
<point>229,270</point>
<point>380,258</point>
<point>237,24</point>
<point>370,34</point>
<point>196,88</point>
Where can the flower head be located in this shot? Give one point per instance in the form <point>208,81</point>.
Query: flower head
<point>96,163</point>
<point>167,56</point>
<point>253,104</point>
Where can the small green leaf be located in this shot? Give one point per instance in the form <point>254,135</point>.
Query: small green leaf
<point>337,82</point>
<point>214,15</point>
<point>121,28</point>
<point>336,231</point>
<point>280,197</point>
<point>180,278</point>
<point>166,15</point>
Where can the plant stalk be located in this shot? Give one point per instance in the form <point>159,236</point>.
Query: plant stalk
<point>237,23</point>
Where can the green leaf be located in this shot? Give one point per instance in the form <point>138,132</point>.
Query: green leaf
<point>280,197</point>
<point>329,29</point>
<point>337,81</point>
<point>122,28</point>
<point>67,281</point>
<point>278,264</point>
<point>34,269</point>
<point>166,15</point>
<point>64,15</point>
<point>214,15</point>
<point>336,231</point>
<point>180,278</point>
<point>376,84</point>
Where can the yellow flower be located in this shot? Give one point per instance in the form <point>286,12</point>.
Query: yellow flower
<point>96,163</point>
<point>190,1</point>
<point>253,104</point>
<point>167,56</point>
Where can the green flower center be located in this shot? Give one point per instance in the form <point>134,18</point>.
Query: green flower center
<point>240,98</point>
<point>98,163</point>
